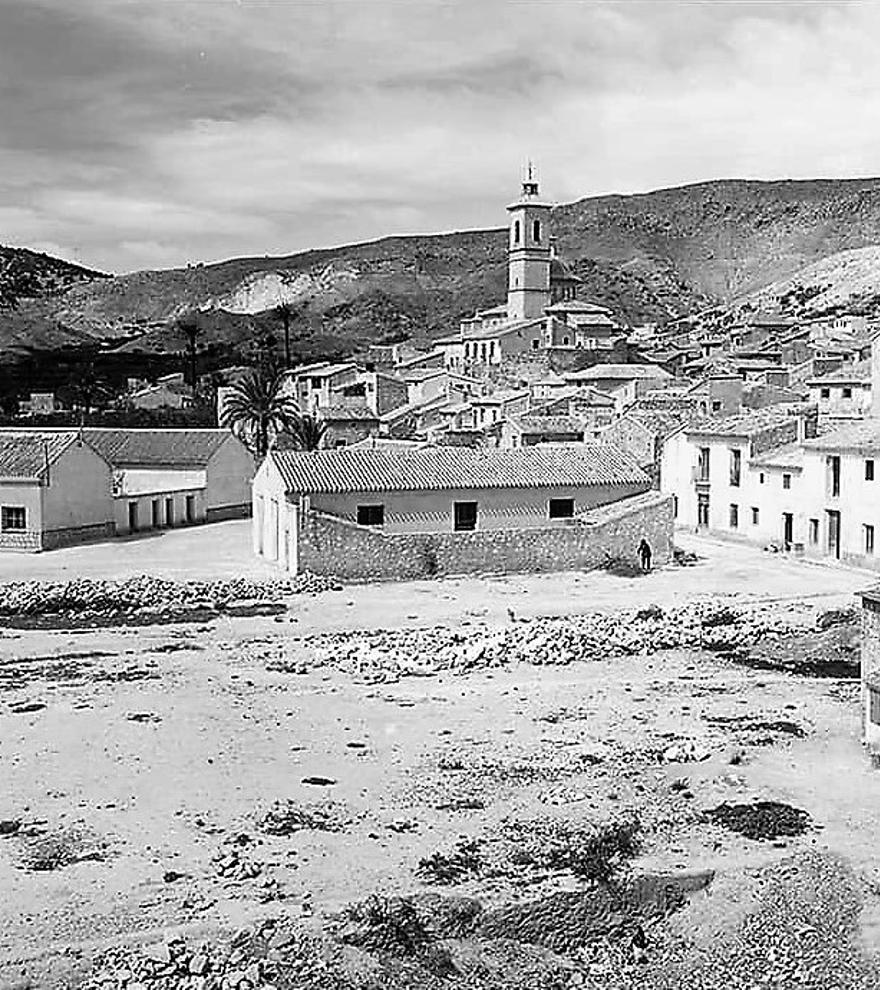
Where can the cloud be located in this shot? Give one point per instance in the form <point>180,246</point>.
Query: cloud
<point>157,133</point>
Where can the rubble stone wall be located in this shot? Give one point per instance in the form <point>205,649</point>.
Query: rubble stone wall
<point>52,539</point>
<point>870,666</point>
<point>329,545</point>
<point>28,541</point>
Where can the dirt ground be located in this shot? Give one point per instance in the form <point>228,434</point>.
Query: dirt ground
<point>135,757</point>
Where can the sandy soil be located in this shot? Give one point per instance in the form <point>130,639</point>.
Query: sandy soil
<point>157,745</point>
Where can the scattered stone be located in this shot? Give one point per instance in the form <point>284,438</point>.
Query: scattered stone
<point>761,819</point>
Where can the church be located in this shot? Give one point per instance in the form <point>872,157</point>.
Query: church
<point>542,310</point>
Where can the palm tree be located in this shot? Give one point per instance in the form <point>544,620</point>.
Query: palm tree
<point>284,311</point>
<point>256,410</point>
<point>189,326</point>
<point>307,432</point>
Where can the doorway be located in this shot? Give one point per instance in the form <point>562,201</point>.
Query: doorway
<point>703,509</point>
<point>169,511</point>
<point>787,529</point>
<point>833,533</point>
<point>132,517</point>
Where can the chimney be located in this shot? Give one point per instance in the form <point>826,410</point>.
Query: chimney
<point>875,377</point>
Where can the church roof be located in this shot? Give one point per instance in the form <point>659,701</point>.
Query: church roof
<point>560,272</point>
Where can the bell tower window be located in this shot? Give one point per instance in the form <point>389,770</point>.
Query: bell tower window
<point>516,231</point>
<point>536,231</point>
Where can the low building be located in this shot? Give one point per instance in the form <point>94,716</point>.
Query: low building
<point>371,514</point>
<point>55,490</point>
<point>627,381</point>
<point>347,424</point>
<point>170,477</point>
<point>843,394</point>
<point>39,404</point>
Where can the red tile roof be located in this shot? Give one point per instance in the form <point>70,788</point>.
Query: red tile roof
<point>25,454</point>
<point>156,448</point>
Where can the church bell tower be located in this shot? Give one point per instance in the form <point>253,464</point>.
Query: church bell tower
<point>528,265</point>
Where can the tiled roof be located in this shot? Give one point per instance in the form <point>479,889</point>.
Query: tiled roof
<point>859,436</point>
<point>748,424</point>
<point>440,468</point>
<point>623,372</point>
<point>789,456</point>
<point>490,333</point>
<point>156,448</point>
<point>410,408</point>
<point>548,424</point>
<point>25,453</point>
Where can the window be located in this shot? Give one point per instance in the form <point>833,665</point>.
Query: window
<point>734,515</point>
<point>371,515</point>
<point>536,344</point>
<point>869,540</point>
<point>716,405</point>
<point>536,231</point>
<point>786,481</point>
<point>703,464</point>
<point>464,516</point>
<point>735,468</point>
<point>561,508</point>
<point>847,393</point>
<point>516,231</point>
<point>761,478</point>
<point>869,470</point>
<point>825,393</point>
<point>833,464</point>
<point>755,515</point>
<point>13,518</point>
<point>675,507</point>
<point>565,341</point>
<point>814,531</point>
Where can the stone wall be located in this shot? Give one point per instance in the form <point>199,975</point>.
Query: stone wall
<point>28,541</point>
<point>870,667</point>
<point>72,535</point>
<point>329,545</point>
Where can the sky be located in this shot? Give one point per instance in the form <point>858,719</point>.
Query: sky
<point>157,133</point>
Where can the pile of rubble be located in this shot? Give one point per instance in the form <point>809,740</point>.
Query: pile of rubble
<point>145,596</point>
<point>386,655</point>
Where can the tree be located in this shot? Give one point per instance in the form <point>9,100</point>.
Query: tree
<point>284,311</point>
<point>189,326</point>
<point>256,410</point>
<point>307,432</point>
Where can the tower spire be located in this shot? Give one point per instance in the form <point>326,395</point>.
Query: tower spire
<point>530,183</point>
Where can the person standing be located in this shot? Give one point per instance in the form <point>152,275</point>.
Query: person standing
<point>645,555</point>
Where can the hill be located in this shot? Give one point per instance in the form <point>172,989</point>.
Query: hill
<point>649,257</point>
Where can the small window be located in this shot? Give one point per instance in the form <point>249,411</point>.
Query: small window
<point>869,470</point>
<point>565,341</point>
<point>869,540</point>
<point>847,393</point>
<point>734,515</point>
<point>536,231</point>
<point>464,516</point>
<point>561,508</point>
<point>516,230</point>
<point>536,344</point>
<point>13,518</point>
<point>755,515</point>
<point>675,507</point>
<point>825,393</point>
<point>786,481</point>
<point>735,468</point>
<point>716,405</point>
<point>371,515</point>
<point>814,531</point>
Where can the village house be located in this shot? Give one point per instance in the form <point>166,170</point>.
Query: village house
<point>168,392</point>
<point>312,385</point>
<point>843,394</point>
<point>579,324</point>
<point>626,382</point>
<point>39,404</point>
<point>531,429</point>
<point>373,514</point>
<point>55,489</point>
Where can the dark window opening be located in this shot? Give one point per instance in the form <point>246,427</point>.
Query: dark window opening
<point>735,468</point>
<point>464,516</point>
<point>874,701</point>
<point>734,515</point>
<point>847,393</point>
<point>869,470</point>
<point>825,393</point>
<point>869,540</point>
<point>561,508</point>
<point>536,344</point>
<point>786,481</point>
<point>834,472</point>
<point>371,515</point>
<point>516,231</point>
<point>814,531</point>
<point>14,518</point>
<point>716,405</point>
<point>761,478</point>
<point>703,464</point>
<point>536,231</point>
<point>755,516</point>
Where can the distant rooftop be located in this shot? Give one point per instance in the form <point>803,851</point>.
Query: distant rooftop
<point>623,372</point>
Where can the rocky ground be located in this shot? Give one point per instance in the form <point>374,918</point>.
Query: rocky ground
<point>652,795</point>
